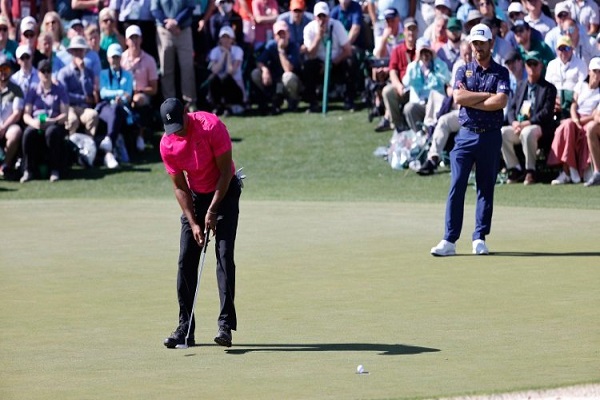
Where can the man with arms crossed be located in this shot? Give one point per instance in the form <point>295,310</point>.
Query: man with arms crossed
<point>196,151</point>
<point>481,88</point>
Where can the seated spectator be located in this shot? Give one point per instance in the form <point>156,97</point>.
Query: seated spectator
<point>26,77</point>
<point>45,112</point>
<point>53,25</point>
<point>501,47</point>
<point>530,119</point>
<point>29,37</point>
<point>395,95</point>
<point>581,41</point>
<point>593,142</point>
<point>109,33</point>
<point>296,19</point>
<point>139,13</point>
<point>81,86</point>
<point>527,43</point>
<point>11,108</point>
<point>585,12</point>
<point>450,51</point>
<point>569,147</point>
<point>8,46</point>
<point>406,9</point>
<point>87,10</point>
<point>226,85</point>
<point>536,18</point>
<point>75,28</point>
<point>145,80</point>
<point>95,57</point>
<point>473,18</point>
<point>265,14</point>
<point>423,75</point>
<point>45,46</point>
<point>116,92</point>
<point>516,12</point>
<point>276,75</point>
<point>462,13</point>
<point>225,16</point>
<point>565,72</point>
<point>562,13</point>
<point>342,63</point>
<point>516,73</point>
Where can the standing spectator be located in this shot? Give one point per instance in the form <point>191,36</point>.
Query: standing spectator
<point>11,108</point>
<point>277,70</point>
<point>536,18</point>
<point>297,19</point>
<point>427,73</point>
<point>225,16</point>
<point>530,119</point>
<point>8,46</point>
<point>315,35</point>
<point>173,21</point>
<point>26,77</point>
<point>481,89</point>
<point>265,13</point>
<point>95,54</point>
<point>586,13</point>
<point>244,9</point>
<point>405,8</point>
<point>226,85</point>
<point>81,86</point>
<point>45,112</point>
<point>45,46</point>
<point>88,10</point>
<point>395,94</point>
<point>116,92</point>
<point>569,147</point>
<point>137,12</point>
<point>17,10</point>
<point>145,80</point>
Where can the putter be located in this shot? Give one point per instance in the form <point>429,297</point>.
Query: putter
<point>202,258</point>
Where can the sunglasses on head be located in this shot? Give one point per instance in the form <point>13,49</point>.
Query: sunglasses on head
<point>565,48</point>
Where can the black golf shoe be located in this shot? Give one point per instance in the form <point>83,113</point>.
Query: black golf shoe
<point>223,338</point>
<point>178,337</point>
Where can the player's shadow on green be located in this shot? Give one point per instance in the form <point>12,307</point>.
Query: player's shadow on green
<point>546,254</point>
<point>382,349</point>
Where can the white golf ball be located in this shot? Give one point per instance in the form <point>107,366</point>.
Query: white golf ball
<point>360,369</point>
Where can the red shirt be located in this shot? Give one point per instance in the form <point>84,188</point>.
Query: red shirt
<point>196,152</point>
<point>401,57</point>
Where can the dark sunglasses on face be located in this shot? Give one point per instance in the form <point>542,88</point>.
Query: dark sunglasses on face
<point>563,15</point>
<point>514,15</point>
<point>29,35</point>
<point>25,57</point>
<point>3,29</point>
<point>298,11</point>
<point>565,48</point>
<point>45,71</point>
<point>532,63</point>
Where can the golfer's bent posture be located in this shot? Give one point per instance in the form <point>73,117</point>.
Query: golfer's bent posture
<point>481,89</point>
<point>196,150</point>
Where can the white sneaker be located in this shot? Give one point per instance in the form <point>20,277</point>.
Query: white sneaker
<point>443,249</point>
<point>479,247</point>
<point>106,144</point>
<point>575,178</point>
<point>54,176</point>
<point>140,145</point>
<point>110,161</point>
<point>561,179</point>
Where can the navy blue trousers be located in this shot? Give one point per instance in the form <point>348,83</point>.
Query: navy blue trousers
<point>483,151</point>
<point>189,257</point>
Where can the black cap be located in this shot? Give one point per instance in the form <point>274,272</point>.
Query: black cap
<point>171,112</point>
<point>390,13</point>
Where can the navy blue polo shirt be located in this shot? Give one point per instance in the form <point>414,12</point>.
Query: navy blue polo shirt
<point>494,79</point>
<point>270,57</point>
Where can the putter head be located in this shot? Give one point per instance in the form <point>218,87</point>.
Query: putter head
<point>182,346</point>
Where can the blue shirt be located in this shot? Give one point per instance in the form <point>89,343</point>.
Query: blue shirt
<point>296,31</point>
<point>78,85</point>
<point>115,84</point>
<point>494,79</point>
<point>270,57</point>
<point>180,10</point>
<point>132,9</point>
<point>351,16</point>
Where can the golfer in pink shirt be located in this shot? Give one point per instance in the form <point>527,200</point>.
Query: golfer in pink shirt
<point>196,151</point>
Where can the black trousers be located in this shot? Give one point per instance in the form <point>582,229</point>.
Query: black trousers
<point>45,146</point>
<point>189,257</point>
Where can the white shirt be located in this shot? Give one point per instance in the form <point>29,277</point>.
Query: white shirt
<point>587,99</point>
<point>339,38</point>
<point>586,13</point>
<point>9,104</point>
<point>26,82</point>
<point>566,76</point>
<point>543,24</point>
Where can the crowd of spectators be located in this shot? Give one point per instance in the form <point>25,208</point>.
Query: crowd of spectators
<point>99,68</point>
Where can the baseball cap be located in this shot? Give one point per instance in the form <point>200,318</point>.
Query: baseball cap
<point>133,30</point>
<point>562,7</point>
<point>297,5</point>
<point>75,22</point>
<point>280,26</point>
<point>454,24</point>
<point>4,20</point>
<point>227,31</point>
<point>519,25</point>
<point>27,24</point>
<point>473,15</point>
<point>77,42</point>
<point>480,32</point>
<point>410,21</point>
<point>321,8</point>
<point>423,44</point>
<point>443,3</point>
<point>516,7</point>
<point>21,50</point>
<point>533,55</point>
<point>564,41</point>
<point>594,63</point>
<point>113,50</point>
<point>171,112</point>
<point>390,13</point>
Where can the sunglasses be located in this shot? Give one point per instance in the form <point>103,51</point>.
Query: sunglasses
<point>107,20</point>
<point>532,63</point>
<point>3,29</point>
<point>51,22</point>
<point>29,34</point>
<point>563,15</point>
<point>514,15</point>
<point>569,30</point>
<point>45,71</point>
<point>25,57</point>
<point>565,48</point>
<point>298,11</point>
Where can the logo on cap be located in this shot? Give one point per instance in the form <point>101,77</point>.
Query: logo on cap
<point>168,117</point>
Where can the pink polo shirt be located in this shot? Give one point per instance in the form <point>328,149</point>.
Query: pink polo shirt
<point>143,69</point>
<point>195,153</point>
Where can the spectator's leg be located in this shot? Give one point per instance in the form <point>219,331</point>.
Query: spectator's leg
<point>185,54</point>
<point>72,123</point>
<point>593,140</point>
<point>414,113</point>
<point>166,55</point>
<point>55,142</point>
<point>447,124</point>
<point>13,138</point>
<point>33,147</point>
<point>312,74</point>
<point>292,85</point>
<point>89,119</point>
<point>509,139</point>
<point>529,140</point>
<point>394,104</point>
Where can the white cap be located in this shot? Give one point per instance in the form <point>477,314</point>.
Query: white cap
<point>22,49</point>
<point>516,8</point>
<point>133,30</point>
<point>445,3</point>
<point>561,7</point>
<point>594,63</point>
<point>321,8</point>
<point>481,33</point>
<point>227,30</point>
<point>423,44</point>
<point>27,24</point>
<point>114,50</point>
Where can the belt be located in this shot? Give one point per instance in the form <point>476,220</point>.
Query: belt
<point>476,130</point>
